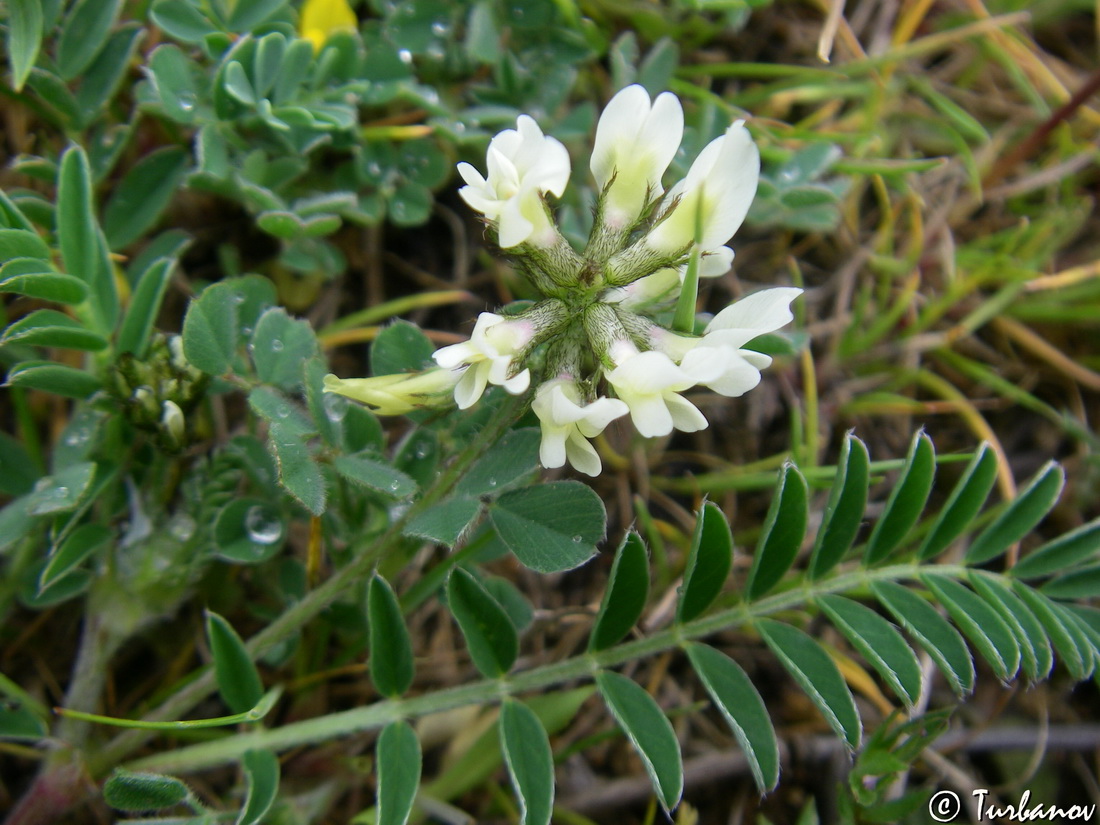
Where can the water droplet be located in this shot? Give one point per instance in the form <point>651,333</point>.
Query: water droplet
<point>439,28</point>
<point>186,101</point>
<point>517,12</point>
<point>374,168</point>
<point>182,527</point>
<point>246,331</point>
<point>283,411</point>
<point>422,451</point>
<point>492,482</point>
<point>237,298</point>
<point>261,528</point>
<point>336,407</point>
<point>577,539</point>
<point>76,437</point>
<point>405,55</point>
<point>395,485</point>
<point>276,345</point>
<point>460,128</point>
<point>788,175</point>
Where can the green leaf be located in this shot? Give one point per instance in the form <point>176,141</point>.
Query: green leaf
<point>391,655</point>
<point>238,680</point>
<point>1071,651</point>
<point>906,501</point>
<point>445,522</point>
<point>12,217</point>
<point>551,527</point>
<point>375,474</point>
<point>879,642</point>
<point>50,328</point>
<point>733,693</point>
<point>142,195</point>
<point>22,243</point>
<point>18,471</point>
<point>21,724</point>
<point>526,749</point>
<point>102,79</point>
<point>490,635</point>
<point>276,408</point>
<point>76,547</point>
<point>249,531</point>
<point>400,347</point>
<point>82,250</point>
<point>261,771</point>
<point>979,622</point>
<point>246,16</point>
<point>181,20</point>
<point>84,33</point>
<point>512,458</point>
<point>210,329</point>
<point>411,204</point>
<point>844,513</point>
<point>817,675</point>
<point>126,791</point>
<point>932,631</point>
<point>418,454</point>
<point>649,731</point>
<point>1037,657</point>
<point>398,758</point>
<point>626,594</point>
<point>298,472</point>
<point>1020,516</point>
<point>280,345</point>
<point>782,534</point>
<point>37,279</point>
<point>61,491</point>
<point>1060,554</point>
<point>24,38</point>
<point>238,85</point>
<point>709,561</point>
<point>171,73</point>
<point>963,504</point>
<point>1079,584</point>
<point>137,324</point>
<point>58,379</point>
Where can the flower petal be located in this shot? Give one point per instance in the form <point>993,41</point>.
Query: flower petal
<point>582,455</point>
<point>754,315</point>
<point>685,415</point>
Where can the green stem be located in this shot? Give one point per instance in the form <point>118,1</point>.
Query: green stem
<point>332,726</point>
<point>317,600</point>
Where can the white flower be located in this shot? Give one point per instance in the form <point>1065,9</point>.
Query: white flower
<point>567,425</point>
<point>635,143</point>
<point>523,164</point>
<point>487,357</point>
<point>717,360</point>
<point>399,393</point>
<point>649,383</point>
<point>718,189</point>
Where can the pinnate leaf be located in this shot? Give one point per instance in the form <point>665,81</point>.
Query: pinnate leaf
<point>238,680</point>
<point>782,534</point>
<point>844,513</point>
<point>391,655</point>
<point>626,594</point>
<point>399,763</point>
<point>906,501</point>
<point>963,505</point>
<point>1020,516</point>
<point>530,761</point>
<point>490,635</point>
<point>551,527</point>
<point>709,562</point>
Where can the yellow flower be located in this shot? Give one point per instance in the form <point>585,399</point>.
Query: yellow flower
<point>320,19</point>
<point>398,394</point>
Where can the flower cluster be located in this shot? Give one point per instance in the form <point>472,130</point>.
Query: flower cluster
<point>597,323</point>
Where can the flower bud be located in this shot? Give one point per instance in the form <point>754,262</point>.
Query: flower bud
<point>398,394</point>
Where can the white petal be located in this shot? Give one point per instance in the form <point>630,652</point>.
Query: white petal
<point>685,415</point>
<point>552,451</point>
<point>619,124</point>
<point>650,415</point>
<point>470,387</point>
<point>716,263</point>
<point>553,170</point>
<point>599,414</point>
<point>649,372</point>
<point>582,455</point>
<point>518,383</point>
<point>664,129</point>
<point>455,354</point>
<point>753,315</point>
<point>705,364</point>
<point>737,172</point>
<point>471,175</point>
<point>512,227</point>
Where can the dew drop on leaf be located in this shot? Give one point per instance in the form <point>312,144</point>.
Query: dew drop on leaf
<point>261,528</point>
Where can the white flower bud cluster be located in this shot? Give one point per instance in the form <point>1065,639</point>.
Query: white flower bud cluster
<point>597,320</point>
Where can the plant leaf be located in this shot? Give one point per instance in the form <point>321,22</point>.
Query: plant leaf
<point>489,633</point>
<point>38,279</point>
<point>551,527</point>
<point>817,675</point>
<point>261,771</point>
<point>50,328</point>
<point>137,324</point>
<point>298,472</point>
<point>238,680</point>
<point>400,347</point>
<point>1037,658</point>
<point>626,594</point>
<point>530,761</point>
<point>1070,650</point>
<point>844,513</point>
<point>906,501</point>
<point>50,376</point>
<point>444,522</point>
<point>280,345</point>
<point>83,34</point>
<point>24,38</point>
<point>391,655</point>
<point>709,561</point>
<point>210,330</point>
<point>736,697</point>
<point>963,504</point>
<point>126,791</point>
<point>932,631</point>
<point>649,731</point>
<point>73,550</point>
<point>399,762</point>
<point>979,622</point>
<point>1060,554</point>
<point>375,474</point>
<point>1020,516</point>
<point>782,534</point>
<point>143,194</point>
<point>879,642</point>
<point>511,459</point>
